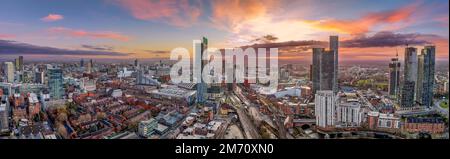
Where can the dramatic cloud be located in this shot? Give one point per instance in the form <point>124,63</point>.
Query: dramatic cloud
<point>380,39</point>
<point>365,23</point>
<point>52,18</point>
<point>82,33</point>
<point>157,51</point>
<point>377,46</point>
<point>15,48</point>
<point>247,20</point>
<point>266,39</point>
<point>230,14</point>
<point>309,43</point>
<point>291,49</point>
<point>98,48</point>
<point>388,39</point>
<point>180,13</point>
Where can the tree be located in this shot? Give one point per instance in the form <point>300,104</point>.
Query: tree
<point>101,115</point>
<point>71,105</point>
<point>61,117</point>
<point>264,133</point>
<point>62,131</point>
<point>133,126</point>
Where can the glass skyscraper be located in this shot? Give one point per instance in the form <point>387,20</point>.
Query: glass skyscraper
<point>425,76</point>
<point>334,47</point>
<point>324,67</point>
<point>199,63</point>
<point>410,77</point>
<point>55,83</point>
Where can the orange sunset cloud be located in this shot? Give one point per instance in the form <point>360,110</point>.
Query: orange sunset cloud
<point>365,23</point>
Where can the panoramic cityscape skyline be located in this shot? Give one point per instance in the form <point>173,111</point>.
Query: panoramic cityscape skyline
<point>128,29</point>
<point>257,69</point>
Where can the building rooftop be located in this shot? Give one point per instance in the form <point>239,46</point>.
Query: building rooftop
<point>424,120</point>
<point>174,92</point>
<point>161,128</point>
<point>33,98</point>
<point>189,86</point>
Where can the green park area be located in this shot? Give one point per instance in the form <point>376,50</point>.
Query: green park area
<point>444,104</point>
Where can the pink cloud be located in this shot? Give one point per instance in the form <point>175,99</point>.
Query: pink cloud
<point>174,12</point>
<point>6,36</point>
<point>52,18</point>
<point>443,20</point>
<point>89,34</point>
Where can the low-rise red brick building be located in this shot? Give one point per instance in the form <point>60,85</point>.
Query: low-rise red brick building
<point>430,125</point>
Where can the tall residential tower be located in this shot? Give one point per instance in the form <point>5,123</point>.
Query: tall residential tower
<point>410,77</point>
<point>334,47</point>
<point>324,67</point>
<point>425,76</point>
<point>394,77</point>
<point>199,63</point>
<point>325,108</point>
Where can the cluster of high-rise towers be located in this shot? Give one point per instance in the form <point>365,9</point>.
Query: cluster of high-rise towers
<point>324,68</point>
<point>324,77</point>
<point>418,74</point>
<point>418,77</point>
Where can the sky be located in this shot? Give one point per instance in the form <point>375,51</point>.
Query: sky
<point>145,29</point>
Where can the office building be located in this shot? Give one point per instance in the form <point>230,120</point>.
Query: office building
<point>4,123</point>
<point>136,64</point>
<point>143,79</point>
<point>55,83</point>
<point>162,70</point>
<point>325,107</point>
<point>425,76</point>
<point>147,127</point>
<point>6,89</point>
<point>8,71</point>
<point>87,85</point>
<point>377,120</point>
<point>19,63</point>
<point>348,111</point>
<point>174,93</point>
<point>39,77</point>
<point>90,66</point>
<point>82,63</point>
<point>407,95</point>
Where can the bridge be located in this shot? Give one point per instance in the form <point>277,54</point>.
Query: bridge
<point>304,122</point>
